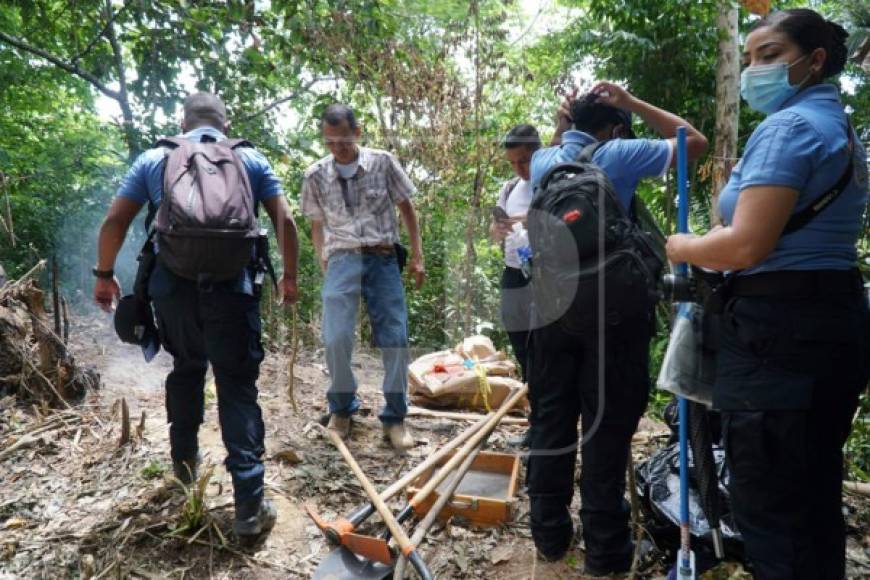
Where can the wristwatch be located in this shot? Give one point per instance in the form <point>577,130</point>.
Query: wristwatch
<point>109,274</point>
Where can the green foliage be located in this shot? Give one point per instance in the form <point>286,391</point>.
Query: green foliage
<point>153,470</point>
<point>194,515</point>
<point>58,165</point>
<point>437,83</point>
<point>858,446</point>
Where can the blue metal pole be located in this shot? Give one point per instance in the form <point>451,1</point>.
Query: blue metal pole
<point>685,565</point>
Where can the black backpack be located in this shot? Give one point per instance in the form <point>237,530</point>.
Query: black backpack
<point>586,247</point>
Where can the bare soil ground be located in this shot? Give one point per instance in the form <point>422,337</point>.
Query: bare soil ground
<point>76,504</point>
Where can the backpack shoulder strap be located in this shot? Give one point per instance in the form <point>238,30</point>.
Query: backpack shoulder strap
<point>232,145</point>
<point>511,186</point>
<point>236,143</point>
<point>818,205</point>
<point>587,152</point>
<point>170,142</point>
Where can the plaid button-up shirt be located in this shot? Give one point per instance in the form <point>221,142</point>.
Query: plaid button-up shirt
<point>359,211</point>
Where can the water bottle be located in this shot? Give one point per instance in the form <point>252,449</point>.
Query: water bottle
<point>524,251</point>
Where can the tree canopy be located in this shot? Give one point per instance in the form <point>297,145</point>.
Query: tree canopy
<point>86,85</point>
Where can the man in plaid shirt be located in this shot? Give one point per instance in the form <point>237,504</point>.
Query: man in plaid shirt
<point>350,197</point>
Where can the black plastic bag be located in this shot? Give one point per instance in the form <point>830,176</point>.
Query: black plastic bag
<point>658,486</point>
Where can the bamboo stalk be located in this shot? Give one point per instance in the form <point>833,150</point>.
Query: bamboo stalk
<point>858,487</point>
<point>55,295</point>
<point>291,363</point>
<point>65,309</point>
<point>457,416</point>
<point>430,486</point>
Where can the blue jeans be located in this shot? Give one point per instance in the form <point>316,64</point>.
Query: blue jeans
<point>221,326</point>
<point>378,281</point>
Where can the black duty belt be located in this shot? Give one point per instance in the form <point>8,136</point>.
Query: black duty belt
<point>798,283</point>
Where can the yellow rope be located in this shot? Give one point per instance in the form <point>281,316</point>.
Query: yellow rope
<point>484,389</point>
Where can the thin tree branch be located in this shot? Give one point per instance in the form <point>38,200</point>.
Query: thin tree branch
<point>123,98</point>
<point>860,55</point>
<point>71,68</point>
<point>289,97</point>
<point>119,61</point>
<point>99,35</point>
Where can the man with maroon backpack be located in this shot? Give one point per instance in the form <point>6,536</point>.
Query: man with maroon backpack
<point>202,268</point>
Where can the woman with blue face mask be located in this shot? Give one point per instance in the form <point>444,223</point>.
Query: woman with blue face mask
<point>794,354</point>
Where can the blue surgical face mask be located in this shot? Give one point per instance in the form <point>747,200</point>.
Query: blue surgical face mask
<point>765,87</point>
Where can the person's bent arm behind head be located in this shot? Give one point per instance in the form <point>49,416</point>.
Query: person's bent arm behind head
<point>662,122</point>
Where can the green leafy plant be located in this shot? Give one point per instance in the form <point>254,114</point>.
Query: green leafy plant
<point>857,449</point>
<point>193,517</point>
<point>153,470</point>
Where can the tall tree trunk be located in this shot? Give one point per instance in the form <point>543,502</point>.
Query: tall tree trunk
<point>727,102</point>
<point>474,206</point>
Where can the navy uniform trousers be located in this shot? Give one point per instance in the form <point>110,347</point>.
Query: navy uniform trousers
<point>218,325</point>
<point>515,302</point>
<point>790,372</point>
<point>564,375</point>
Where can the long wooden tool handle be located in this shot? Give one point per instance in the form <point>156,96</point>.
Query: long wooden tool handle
<point>362,513</point>
<point>433,459</point>
<point>475,440</point>
<point>444,497</point>
<point>401,537</point>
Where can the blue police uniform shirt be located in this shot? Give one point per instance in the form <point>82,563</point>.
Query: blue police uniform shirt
<point>803,146</point>
<point>625,161</point>
<point>144,182</point>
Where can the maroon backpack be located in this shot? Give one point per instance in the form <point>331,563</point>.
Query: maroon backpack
<point>206,224</point>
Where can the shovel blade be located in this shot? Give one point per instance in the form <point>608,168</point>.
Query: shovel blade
<point>342,564</point>
<point>368,547</point>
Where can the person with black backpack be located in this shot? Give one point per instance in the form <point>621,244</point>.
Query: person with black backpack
<point>203,191</point>
<point>794,342</point>
<point>594,273</point>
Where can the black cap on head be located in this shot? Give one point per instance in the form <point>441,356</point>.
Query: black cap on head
<point>522,136</point>
<point>134,324</point>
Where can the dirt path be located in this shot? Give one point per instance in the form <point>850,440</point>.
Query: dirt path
<point>75,504</point>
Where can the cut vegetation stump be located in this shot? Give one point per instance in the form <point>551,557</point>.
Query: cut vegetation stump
<point>34,362</point>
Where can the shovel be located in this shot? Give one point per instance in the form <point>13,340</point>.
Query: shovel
<point>443,499</point>
<point>408,549</point>
<point>341,532</point>
<point>343,564</point>
<point>685,566</point>
<point>421,496</point>
<point>378,562</point>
